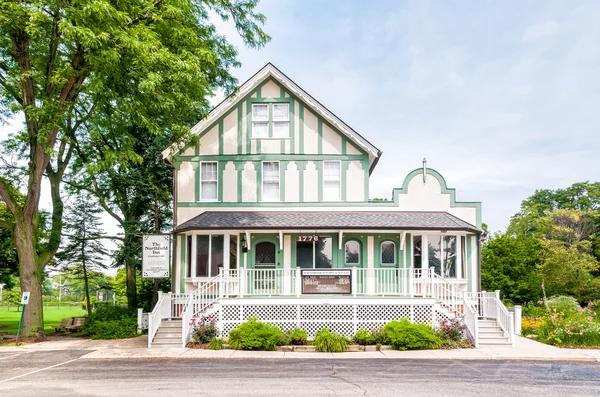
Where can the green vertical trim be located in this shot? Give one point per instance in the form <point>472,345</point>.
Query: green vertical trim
<point>343,144</point>
<point>319,167</point>
<point>344,171</point>
<point>320,138</point>
<point>248,125</point>
<point>220,170</point>
<point>281,92</point>
<point>282,167</point>
<point>196,166</point>
<point>221,137</point>
<point>239,166</point>
<point>258,146</point>
<point>292,127</point>
<point>282,143</point>
<point>301,132</point>
<point>258,180</point>
<point>182,249</point>
<point>365,167</point>
<point>301,166</point>
<point>197,148</point>
<point>469,263</point>
<point>270,113</point>
<point>239,129</point>
<point>258,92</point>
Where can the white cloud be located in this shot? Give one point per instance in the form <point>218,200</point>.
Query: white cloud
<point>541,30</point>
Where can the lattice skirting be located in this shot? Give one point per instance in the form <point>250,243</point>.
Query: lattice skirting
<point>343,317</point>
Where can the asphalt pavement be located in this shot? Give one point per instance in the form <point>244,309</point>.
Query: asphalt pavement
<point>65,373</point>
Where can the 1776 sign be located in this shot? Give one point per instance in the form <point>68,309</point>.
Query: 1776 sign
<point>156,255</point>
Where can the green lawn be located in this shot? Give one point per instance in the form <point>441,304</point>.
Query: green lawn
<point>52,316</point>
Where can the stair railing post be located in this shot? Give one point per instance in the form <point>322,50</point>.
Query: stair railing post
<point>298,281</point>
<point>220,282</point>
<point>354,281</point>
<point>242,281</point>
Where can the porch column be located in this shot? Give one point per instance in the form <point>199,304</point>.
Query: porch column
<point>370,279</point>
<point>287,264</point>
<point>193,254</point>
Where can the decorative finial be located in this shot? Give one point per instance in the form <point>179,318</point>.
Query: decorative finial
<point>424,169</point>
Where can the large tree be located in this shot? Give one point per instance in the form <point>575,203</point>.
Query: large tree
<point>60,61</point>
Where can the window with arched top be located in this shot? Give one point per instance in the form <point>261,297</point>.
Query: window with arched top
<point>264,254</point>
<point>388,253</point>
<point>352,252</point>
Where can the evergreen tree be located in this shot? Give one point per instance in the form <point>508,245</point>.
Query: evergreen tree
<point>83,252</point>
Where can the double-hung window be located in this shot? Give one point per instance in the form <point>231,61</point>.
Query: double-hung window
<point>332,180</point>
<point>270,120</point>
<point>270,181</point>
<point>208,180</point>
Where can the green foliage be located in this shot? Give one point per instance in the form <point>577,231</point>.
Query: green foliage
<point>112,322</point>
<point>328,341</point>
<point>364,337</point>
<point>509,264</point>
<point>297,336</point>
<point>255,335</point>
<point>379,336</point>
<point>451,334</point>
<point>215,344</point>
<point>404,335</point>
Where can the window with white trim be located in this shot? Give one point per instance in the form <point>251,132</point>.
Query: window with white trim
<point>270,120</point>
<point>332,180</point>
<point>388,253</point>
<point>352,252</point>
<point>208,180</point>
<point>270,181</point>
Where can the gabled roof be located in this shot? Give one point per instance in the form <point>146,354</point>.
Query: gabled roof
<point>270,71</point>
<point>380,220</point>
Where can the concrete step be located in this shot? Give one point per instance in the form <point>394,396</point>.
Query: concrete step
<point>487,335</point>
<point>494,341</point>
<point>172,323</point>
<point>163,345</point>
<point>170,340</point>
<point>165,334</point>
<point>494,345</point>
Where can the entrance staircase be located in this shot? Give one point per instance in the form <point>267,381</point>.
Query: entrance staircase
<point>491,334</point>
<point>168,334</point>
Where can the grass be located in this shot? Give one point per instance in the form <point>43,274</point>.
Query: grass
<point>52,316</point>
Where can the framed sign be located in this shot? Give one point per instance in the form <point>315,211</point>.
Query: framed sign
<point>307,238</point>
<point>327,281</point>
<point>156,255</point>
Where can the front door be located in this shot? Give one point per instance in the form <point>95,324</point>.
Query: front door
<point>266,277</point>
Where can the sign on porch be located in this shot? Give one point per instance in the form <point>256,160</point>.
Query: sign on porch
<point>326,281</point>
<point>156,255</point>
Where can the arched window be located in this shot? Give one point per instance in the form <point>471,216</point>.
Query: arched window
<point>264,254</point>
<point>352,252</point>
<point>388,253</point>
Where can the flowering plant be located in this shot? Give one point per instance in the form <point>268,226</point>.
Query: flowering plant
<point>204,329</point>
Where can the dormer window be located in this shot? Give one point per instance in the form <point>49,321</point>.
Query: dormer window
<point>271,120</point>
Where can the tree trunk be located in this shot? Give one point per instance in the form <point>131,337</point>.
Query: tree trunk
<point>132,300</point>
<point>31,278</point>
<point>87,289</point>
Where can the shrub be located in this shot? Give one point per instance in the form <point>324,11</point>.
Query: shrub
<point>327,341</point>
<point>451,333</point>
<point>255,335</point>
<point>215,344</point>
<point>297,336</point>
<point>563,304</point>
<point>404,335</point>
<point>364,337</point>
<point>204,329</point>
<point>379,337</point>
<point>112,322</point>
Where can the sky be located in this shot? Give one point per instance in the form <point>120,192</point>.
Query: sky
<point>501,97</point>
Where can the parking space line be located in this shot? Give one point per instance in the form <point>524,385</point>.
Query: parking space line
<point>38,370</point>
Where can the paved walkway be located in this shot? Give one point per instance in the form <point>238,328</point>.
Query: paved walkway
<point>525,349</point>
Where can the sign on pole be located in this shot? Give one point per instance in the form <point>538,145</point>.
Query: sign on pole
<point>25,298</point>
<point>156,255</point>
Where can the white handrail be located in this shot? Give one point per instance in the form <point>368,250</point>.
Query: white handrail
<point>504,319</point>
<point>471,319</point>
<point>198,301</point>
<point>155,318</point>
<point>447,293</point>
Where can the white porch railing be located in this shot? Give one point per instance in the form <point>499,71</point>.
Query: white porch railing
<point>161,311</point>
<point>492,307</point>
<point>198,301</point>
<point>471,317</point>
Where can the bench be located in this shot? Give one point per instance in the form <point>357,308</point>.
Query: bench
<point>77,325</point>
<point>64,324</point>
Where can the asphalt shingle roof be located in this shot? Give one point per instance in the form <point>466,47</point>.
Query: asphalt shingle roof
<point>397,220</point>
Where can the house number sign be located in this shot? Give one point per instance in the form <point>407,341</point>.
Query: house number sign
<point>307,238</point>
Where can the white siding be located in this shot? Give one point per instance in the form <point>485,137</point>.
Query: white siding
<point>230,136</point>
<point>244,125</point>
<point>332,141</point>
<point>355,182</point>
<point>270,146</point>
<point>209,143</point>
<point>270,90</point>
<point>249,183</point>
<point>229,183</point>
<point>292,183</point>
<point>311,182</point>
<point>350,149</point>
<point>311,136</point>
<point>186,178</point>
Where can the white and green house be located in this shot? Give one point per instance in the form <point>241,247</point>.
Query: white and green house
<point>272,218</point>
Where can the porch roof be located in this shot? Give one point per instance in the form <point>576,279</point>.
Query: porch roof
<point>392,220</point>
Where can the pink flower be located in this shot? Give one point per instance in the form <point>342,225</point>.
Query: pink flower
<point>590,304</point>
<point>580,332</point>
<point>590,319</point>
<point>542,285</point>
<point>202,330</point>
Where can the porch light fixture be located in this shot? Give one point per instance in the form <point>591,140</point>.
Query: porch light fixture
<point>244,244</point>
